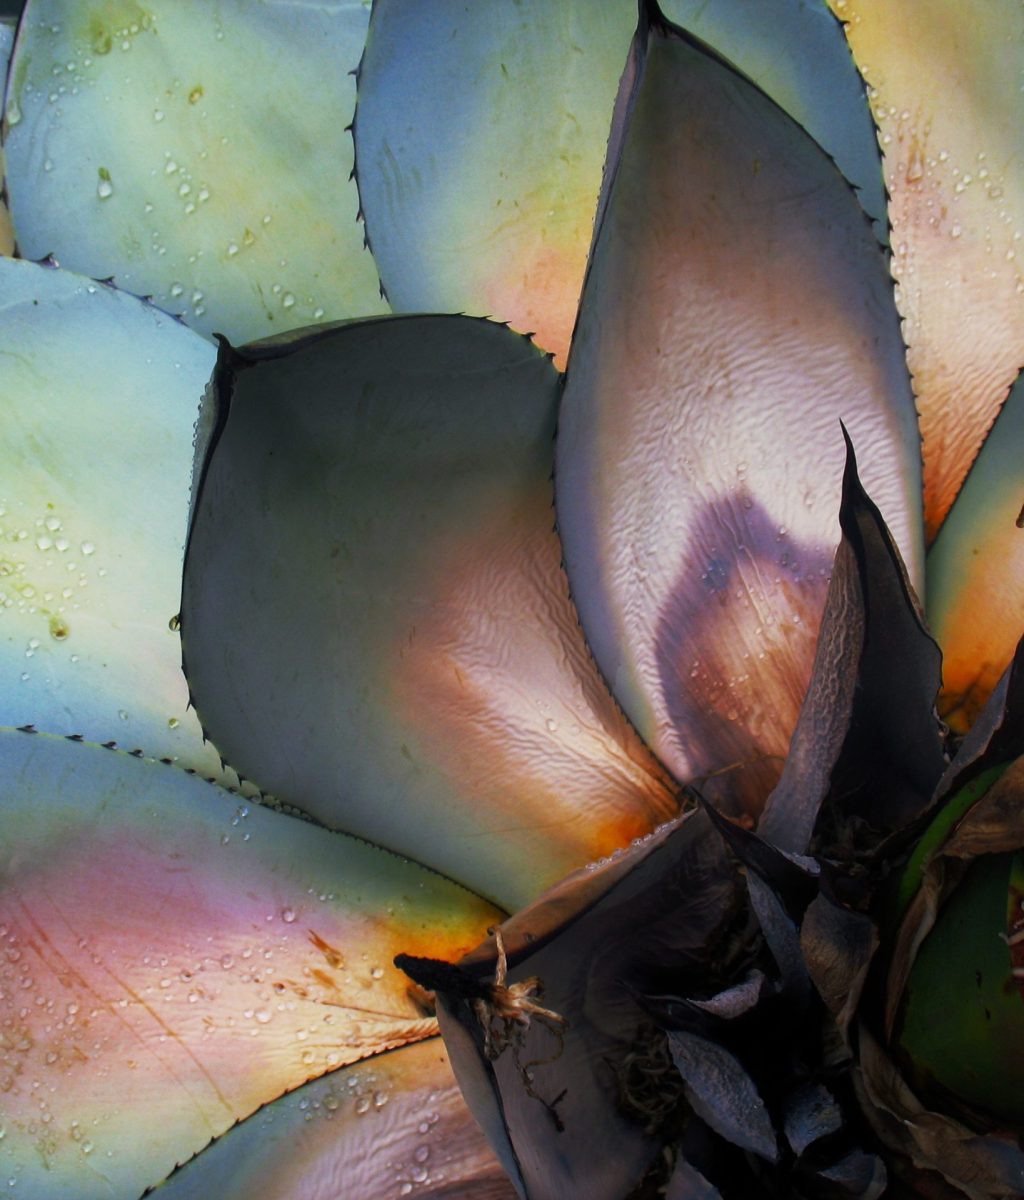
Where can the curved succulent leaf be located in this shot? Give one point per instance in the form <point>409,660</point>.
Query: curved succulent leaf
<point>554,1090</point>
<point>196,153</point>
<point>393,1126</point>
<point>481,133</point>
<point>976,572</point>
<point>867,733</point>
<point>723,1094</point>
<point>793,50</point>
<point>375,620</point>
<point>97,454</point>
<point>944,83</point>
<point>736,308</point>
<point>173,958</point>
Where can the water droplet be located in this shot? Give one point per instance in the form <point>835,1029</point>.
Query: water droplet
<point>232,249</point>
<point>88,548</point>
<point>288,915</point>
<point>173,722</point>
<point>158,114</point>
<point>196,94</point>
<point>59,629</point>
<point>263,1015</point>
<point>362,1105</point>
<point>104,189</point>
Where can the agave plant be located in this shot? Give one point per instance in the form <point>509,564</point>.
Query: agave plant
<point>614,757</point>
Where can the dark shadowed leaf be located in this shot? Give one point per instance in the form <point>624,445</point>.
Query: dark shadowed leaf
<point>657,911</point>
<point>723,1094</point>
<point>868,729</point>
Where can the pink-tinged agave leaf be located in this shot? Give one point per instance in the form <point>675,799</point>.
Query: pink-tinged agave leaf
<point>395,1126</point>
<point>976,571</point>
<point>96,454</point>
<point>944,82</point>
<point>196,153</point>
<point>736,309</point>
<point>481,133</point>
<point>376,624</point>
<point>172,958</point>
<point>596,1073</point>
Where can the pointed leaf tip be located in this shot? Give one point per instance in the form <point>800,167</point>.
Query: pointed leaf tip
<point>698,553</point>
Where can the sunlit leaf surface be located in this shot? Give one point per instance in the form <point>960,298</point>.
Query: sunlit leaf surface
<point>96,453</point>
<point>482,128</point>
<point>945,87</point>
<point>393,1127</point>
<point>172,957</point>
<point>737,309</point>
<point>196,153</point>
<point>976,571</point>
<point>376,624</point>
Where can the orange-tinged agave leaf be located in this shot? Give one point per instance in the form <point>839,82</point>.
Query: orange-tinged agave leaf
<point>101,394</point>
<point>481,132</point>
<point>376,624</point>
<point>195,152</point>
<point>171,958</point>
<point>944,79</point>
<point>736,310</point>
<point>394,1126</point>
<point>976,572</point>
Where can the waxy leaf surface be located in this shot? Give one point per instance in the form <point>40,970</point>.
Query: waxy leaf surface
<point>976,571</point>
<point>944,80</point>
<point>196,153</point>
<point>481,133</point>
<point>395,1126</point>
<point>376,624</point>
<point>173,957</point>
<point>737,308</point>
<point>96,454</point>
